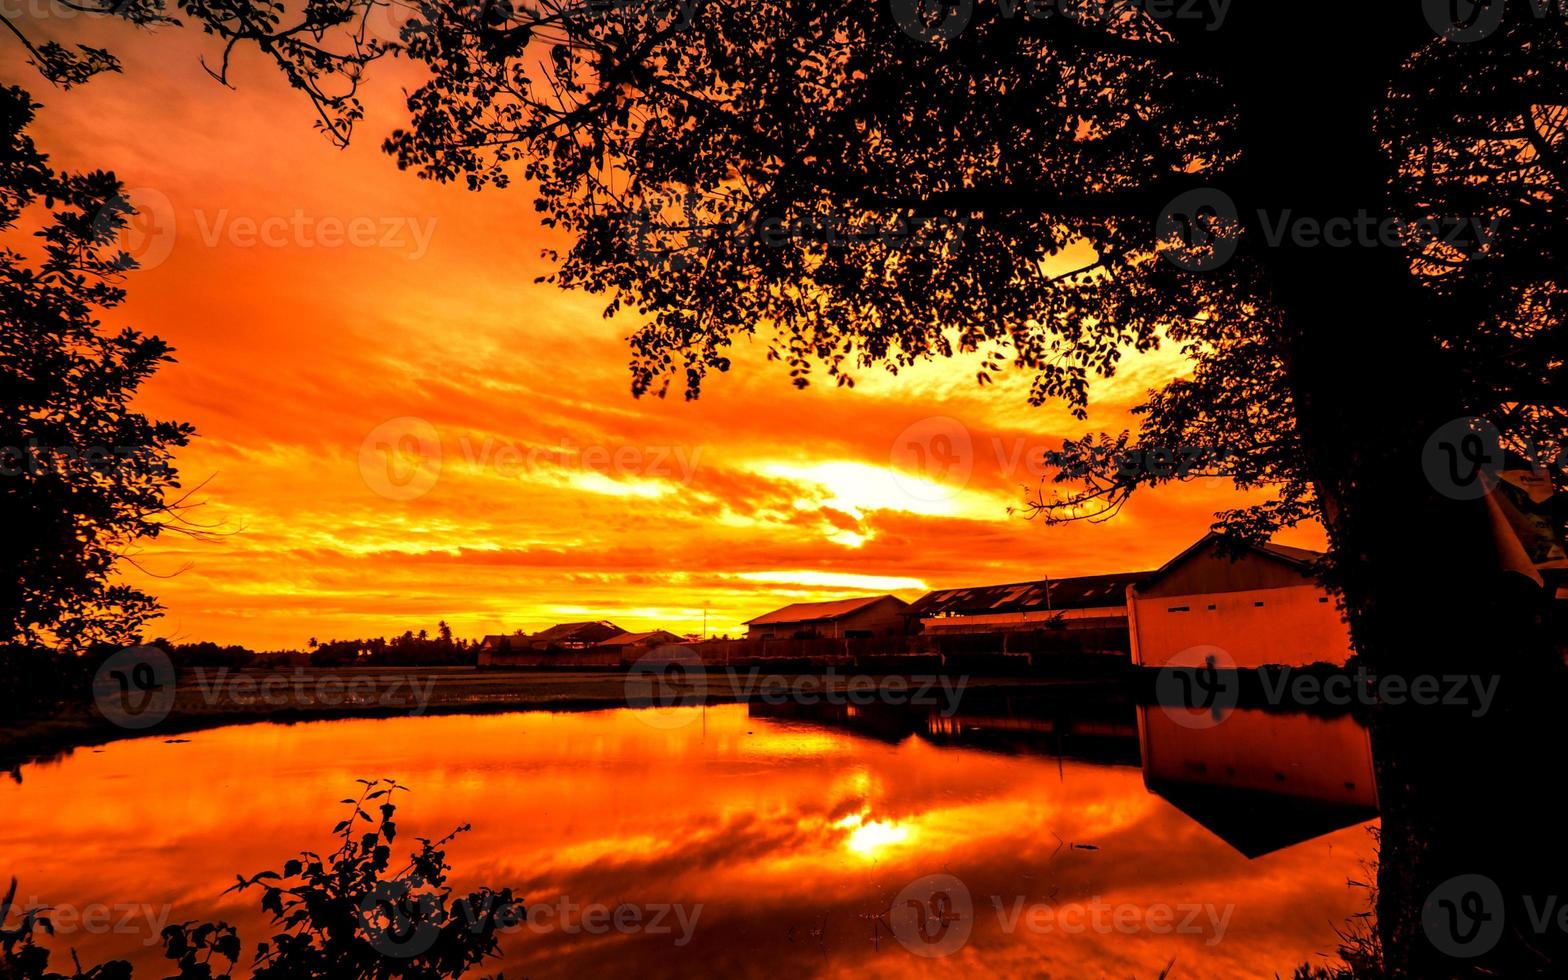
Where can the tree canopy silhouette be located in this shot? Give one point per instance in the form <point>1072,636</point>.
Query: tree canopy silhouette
<point>83,477</point>
<point>1349,216</point>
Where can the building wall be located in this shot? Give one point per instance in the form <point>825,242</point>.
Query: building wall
<point>1295,625</point>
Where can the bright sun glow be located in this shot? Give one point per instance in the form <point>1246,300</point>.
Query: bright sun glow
<point>870,838</point>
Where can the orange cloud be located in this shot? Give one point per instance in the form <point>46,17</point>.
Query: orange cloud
<point>314,295</point>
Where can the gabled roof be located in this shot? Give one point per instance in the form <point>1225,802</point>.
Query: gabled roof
<point>1083,592</point>
<point>1299,558</point>
<point>815,612</point>
<point>632,639</point>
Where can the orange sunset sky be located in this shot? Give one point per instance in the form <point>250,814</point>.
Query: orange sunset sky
<point>556,495</point>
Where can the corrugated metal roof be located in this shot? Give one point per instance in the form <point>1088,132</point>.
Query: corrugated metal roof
<point>812,612</point>
<point>632,639</point>
<point>1302,555</point>
<point>567,632</point>
<point>1084,592</point>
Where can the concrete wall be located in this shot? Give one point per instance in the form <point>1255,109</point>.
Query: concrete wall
<point>1296,625</point>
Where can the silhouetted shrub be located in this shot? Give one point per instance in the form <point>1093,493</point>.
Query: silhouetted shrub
<point>343,915</point>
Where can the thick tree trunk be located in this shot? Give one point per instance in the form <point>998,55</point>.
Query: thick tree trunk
<point>1462,791</point>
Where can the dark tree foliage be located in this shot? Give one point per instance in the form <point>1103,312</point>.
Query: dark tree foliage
<point>83,477</point>
<point>861,183</point>
<point>1057,143</point>
<point>320,46</point>
<point>348,915</point>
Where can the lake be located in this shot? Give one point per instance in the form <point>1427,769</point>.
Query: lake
<point>754,840</point>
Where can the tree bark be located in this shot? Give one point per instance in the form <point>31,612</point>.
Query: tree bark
<point>1462,791</point>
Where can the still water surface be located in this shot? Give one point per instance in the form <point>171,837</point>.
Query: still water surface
<point>763,845</point>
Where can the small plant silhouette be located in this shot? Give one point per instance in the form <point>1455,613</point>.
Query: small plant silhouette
<point>345,915</point>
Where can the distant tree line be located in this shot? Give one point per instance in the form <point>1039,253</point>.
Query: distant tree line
<point>36,682</point>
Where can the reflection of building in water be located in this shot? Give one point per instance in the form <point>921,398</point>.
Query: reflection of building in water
<point>1261,781</point>
<point>1258,781</point>
<point>1262,608</point>
<point>1088,724</point>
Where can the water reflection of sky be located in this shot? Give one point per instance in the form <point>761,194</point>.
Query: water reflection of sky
<point>791,836</point>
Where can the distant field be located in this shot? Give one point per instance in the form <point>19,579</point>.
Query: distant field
<point>208,697</point>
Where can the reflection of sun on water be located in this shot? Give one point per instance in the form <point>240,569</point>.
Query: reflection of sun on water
<point>870,838</point>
